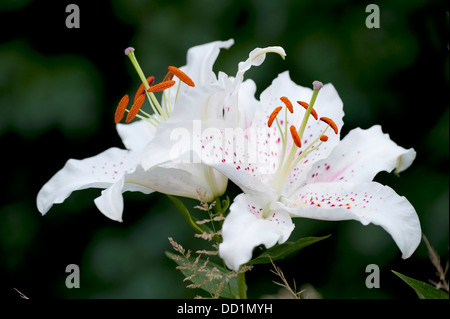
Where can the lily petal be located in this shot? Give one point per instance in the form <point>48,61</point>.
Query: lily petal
<point>199,67</point>
<point>244,229</point>
<point>191,180</point>
<point>181,134</point>
<point>136,135</point>
<point>359,157</point>
<point>365,202</point>
<point>200,60</point>
<point>110,202</point>
<point>240,109</point>
<point>99,171</point>
<point>255,58</point>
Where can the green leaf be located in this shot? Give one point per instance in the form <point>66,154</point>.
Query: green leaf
<point>185,212</point>
<point>221,205</point>
<point>211,277</point>
<point>282,251</point>
<point>225,204</point>
<point>422,289</point>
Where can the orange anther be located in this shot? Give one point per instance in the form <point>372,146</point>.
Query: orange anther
<point>168,77</point>
<point>135,108</point>
<point>314,114</point>
<point>141,90</point>
<point>120,110</point>
<point>161,86</point>
<point>295,136</point>
<point>287,103</point>
<point>305,106</point>
<point>330,123</point>
<point>324,138</point>
<point>273,116</point>
<point>181,75</point>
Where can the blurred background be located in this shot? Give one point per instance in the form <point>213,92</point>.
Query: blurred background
<point>59,88</point>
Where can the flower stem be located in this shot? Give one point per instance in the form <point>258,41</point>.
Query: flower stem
<point>242,286</point>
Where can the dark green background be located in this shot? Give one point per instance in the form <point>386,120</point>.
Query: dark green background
<point>58,92</point>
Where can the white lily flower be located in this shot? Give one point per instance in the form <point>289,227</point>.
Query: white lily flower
<point>306,173</point>
<point>117,170</point>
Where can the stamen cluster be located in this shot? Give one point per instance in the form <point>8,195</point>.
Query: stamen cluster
<point>147,89</point>
<point>288,161</point>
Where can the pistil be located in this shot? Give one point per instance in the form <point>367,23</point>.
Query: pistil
<point>317,88</point>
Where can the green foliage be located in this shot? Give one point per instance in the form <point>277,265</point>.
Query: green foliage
<point>185,213</point>
<point>60,92</point>
<point>422,289</point>
<point>204,274</point>
<point>284,250</point>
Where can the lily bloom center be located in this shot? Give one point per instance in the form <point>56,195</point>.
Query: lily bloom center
<point>293,150</point>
